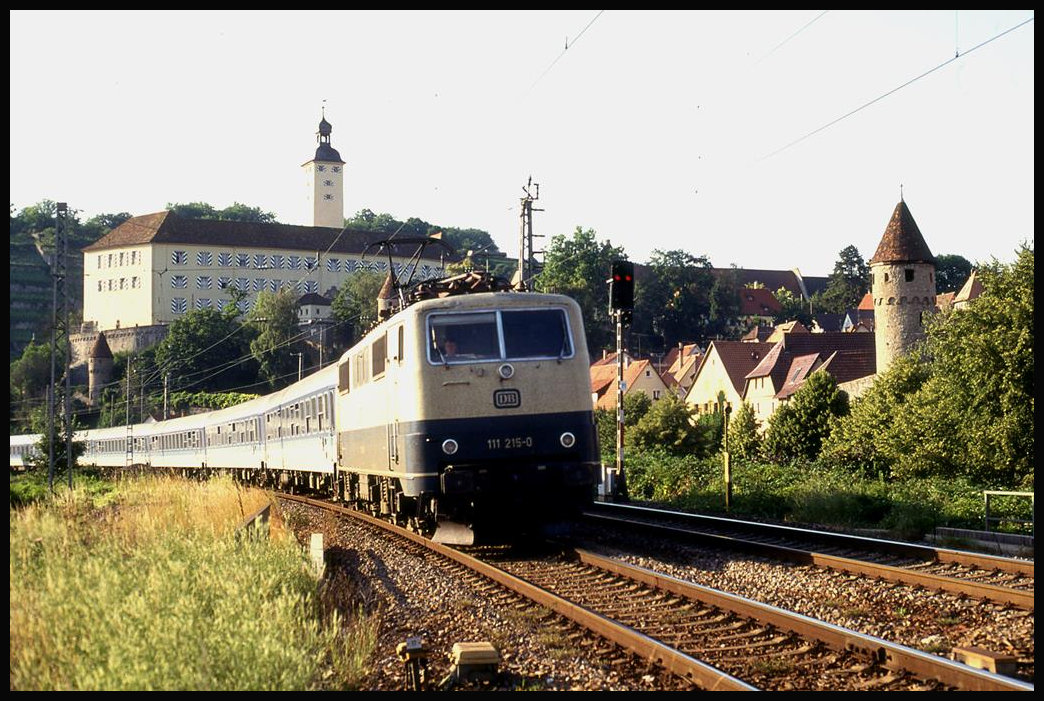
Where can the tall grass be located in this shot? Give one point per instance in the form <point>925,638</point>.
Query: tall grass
<point>153,592</point>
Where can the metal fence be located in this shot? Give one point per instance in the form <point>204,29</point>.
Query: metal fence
<point>1008,519</point>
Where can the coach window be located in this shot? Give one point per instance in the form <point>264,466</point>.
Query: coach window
<point>343,385</point>
<point>379,349</point>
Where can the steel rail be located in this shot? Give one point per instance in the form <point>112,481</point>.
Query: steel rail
<point>893,547</point>
<point>675,661</point>
<point>1005,595</point>
<point>892,655</point>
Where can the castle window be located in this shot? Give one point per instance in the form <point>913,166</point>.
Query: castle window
<point>242,260</point>
<point>224,283</point>
<point>135,282</point>
<point>909,274</point>
<point>294,262</point>
<point>179,257</point>
<point>121,257</point>
<point>99,262</point>
<point>259,260</point>
<point>99,285</point>
<point>204,258</point>
<point>275,261</point>
<point>327,196</point>
<point>225,260</point>
<point>886,277</point>
<point>333,265</point>
<point>178,305</point>
<point>202,304</point>
<point>178,282</point>
<point>259,284</point>
<point>328,183</point>
<point>203,282</point>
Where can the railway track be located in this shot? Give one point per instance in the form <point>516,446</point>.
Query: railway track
<point>711,639</point>
<point>987,577</point>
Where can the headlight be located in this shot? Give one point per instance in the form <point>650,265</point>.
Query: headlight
<point>567,439</point>
<point>507,371</point>
<point>449,446</point>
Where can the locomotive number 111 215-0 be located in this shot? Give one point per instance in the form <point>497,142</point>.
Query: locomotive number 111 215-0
<point>509,442</point>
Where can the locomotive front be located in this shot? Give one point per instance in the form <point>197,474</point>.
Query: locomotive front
<point>505,415</point>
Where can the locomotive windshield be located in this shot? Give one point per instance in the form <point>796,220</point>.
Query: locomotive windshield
<point>505,335</point>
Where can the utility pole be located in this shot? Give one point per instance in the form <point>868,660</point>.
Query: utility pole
<point>526,259</point>
<point>300,357</point>
<point>59,345</point>
<point>621,304</point>
<point>129,455</point>
<point>166,382</point>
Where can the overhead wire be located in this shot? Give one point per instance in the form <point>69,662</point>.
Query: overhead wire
<point>568,44</point>
<point>893,90</point>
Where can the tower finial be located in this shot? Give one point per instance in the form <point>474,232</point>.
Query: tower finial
<point>324,108</point>
<point>900,192</point>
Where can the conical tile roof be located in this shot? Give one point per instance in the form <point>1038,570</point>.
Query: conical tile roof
<point>902,241</point>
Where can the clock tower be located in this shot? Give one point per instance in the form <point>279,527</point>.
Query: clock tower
<point>325,180</point>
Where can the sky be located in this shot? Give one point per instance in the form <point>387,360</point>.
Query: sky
<point>764,140</point>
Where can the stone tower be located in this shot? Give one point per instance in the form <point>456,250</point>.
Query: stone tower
<point>325,180</point>
<point>902,284</point>
<point>99,369</point>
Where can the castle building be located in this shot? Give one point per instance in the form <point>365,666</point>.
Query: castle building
<point>902,284</point>
<point>153,269</point>
<point>99,369</point>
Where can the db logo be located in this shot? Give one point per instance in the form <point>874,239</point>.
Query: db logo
<point>507,398</point>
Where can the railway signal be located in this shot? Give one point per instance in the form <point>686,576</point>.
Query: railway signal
<point>621,286</point>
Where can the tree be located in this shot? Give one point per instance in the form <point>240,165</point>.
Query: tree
<point>205,349</point>
<point>724,307</point>
<point>798,428</point>
<point>866,441</point>
<point>963,406</point>
<point>29,379</point>
<point>744,437</point>
<point>672,299</point>
<point>356,303</point>
<point>578,266</point>
<point>274,319</point>
<point>235,212</point>
<point>792,307</point>
<point>982,372</point>
<point>669,425</point>
<point>951,272</point>
<point>848,284</point>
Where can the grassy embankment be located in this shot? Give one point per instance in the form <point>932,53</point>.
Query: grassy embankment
<point>143,585</point>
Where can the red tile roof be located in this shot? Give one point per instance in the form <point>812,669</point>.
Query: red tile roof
<point>758,301</point>
<point>167,227</point>
<point>902,241</point>
<point>737,357</point>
